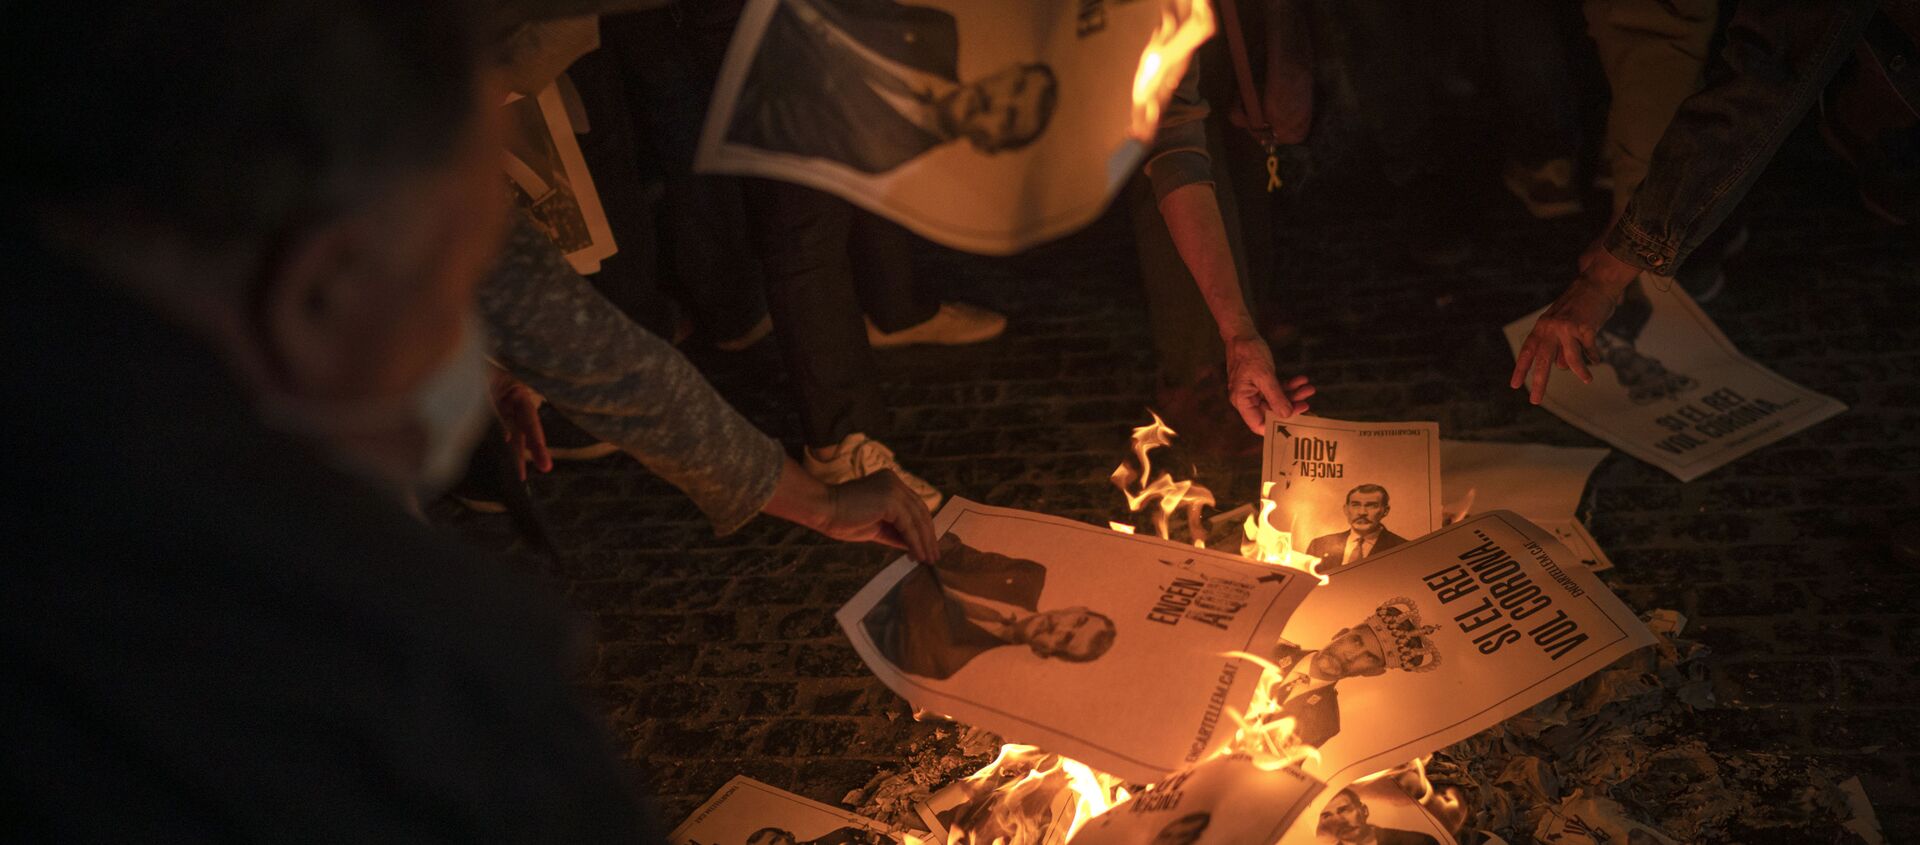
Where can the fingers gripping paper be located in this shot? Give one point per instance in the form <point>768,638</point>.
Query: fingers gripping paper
<point>1671,389</point>
<point>1109,648</point>
<point>986,125</point>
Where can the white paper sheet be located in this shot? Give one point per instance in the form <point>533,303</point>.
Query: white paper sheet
<point>1379,809</point>
<point>1673,391</point>
<point>1430,642</point>
<point>1333,479</point>
<point>1150,622</point>
<point>551,182</point>
<point>748,812</point>
<point>861,98</point>
<point>1542,483</point>
<point>1223,801</point>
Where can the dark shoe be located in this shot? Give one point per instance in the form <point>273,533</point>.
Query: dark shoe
<point>1703,276</point>
<point>568,442</point>
<point>1547,191</point>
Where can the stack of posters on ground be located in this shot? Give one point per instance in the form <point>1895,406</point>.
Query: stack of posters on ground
<point>1672,390</point>
<point>550,182</point>
<point>1228,800</point>
<point>1109,648</point>
<point>1348,490</point>
<point>987,125</point>
<point>748,812</point>
<point>1430,642</point>
<point>1544,484</point>
<point>1378,812</point>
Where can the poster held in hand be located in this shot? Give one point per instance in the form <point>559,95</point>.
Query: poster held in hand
<point>748,812</point>
<point>986,125</point>
<point>1108,648</point>
<point>1672,390</point>
<point>1347,490</point>
<point>1430,642</point>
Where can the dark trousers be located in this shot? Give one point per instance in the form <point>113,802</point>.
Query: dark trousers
<point>826,263</point>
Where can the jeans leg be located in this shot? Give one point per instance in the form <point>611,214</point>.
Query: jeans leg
<point>1654,53</point>
<point>802,237</point>
<point>883,275</point>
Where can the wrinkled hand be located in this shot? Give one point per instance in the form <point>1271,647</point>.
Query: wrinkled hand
<point>1565,334</point>
<point>1256,391</point>
<point>518,407</point>
<point>880,508</point>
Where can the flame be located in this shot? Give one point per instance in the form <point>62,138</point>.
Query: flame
<point>1445,805</point>
<point>1459,511</point>
<point>1170,494</point>
<point>1184,25</point>
<point>1268,544</point>
<point>1014,792</point>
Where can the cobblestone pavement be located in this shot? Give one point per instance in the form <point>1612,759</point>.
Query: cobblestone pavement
<point>715,657</point>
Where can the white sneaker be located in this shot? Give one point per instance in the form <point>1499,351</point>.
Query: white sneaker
<point>860,456</point>
<point>955,324</point>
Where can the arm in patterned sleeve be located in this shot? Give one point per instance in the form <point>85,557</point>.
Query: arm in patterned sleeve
<point>622,384</point>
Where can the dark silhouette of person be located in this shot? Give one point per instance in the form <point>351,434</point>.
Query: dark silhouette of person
<point>1345,819</point>
<point>1366,511</point>
<point>942,616</point>
<point>873,83</point>
<point>1390,638</point>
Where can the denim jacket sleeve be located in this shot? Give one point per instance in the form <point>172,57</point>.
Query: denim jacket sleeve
<point>1178,156</point>
<point>1781,54</point>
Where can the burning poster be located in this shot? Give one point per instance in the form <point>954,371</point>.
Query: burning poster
<point>1671,390</point>
<point>1110,648</point>
<point>1228,800</point>
<point>1378,812</point>
<point>748,812</point>
<point>1542,483</point>
<point>1349,490</point>
<point>989,125</point>
<point>550,181</point>
<point>1025,797</point>
<point>1432,641</point>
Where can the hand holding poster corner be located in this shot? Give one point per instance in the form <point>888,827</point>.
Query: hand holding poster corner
<point>1106,647</point>
<point>1672,390</point>
<point>1427,643</point>
<point>1346,490</point>
<point>986,125</point>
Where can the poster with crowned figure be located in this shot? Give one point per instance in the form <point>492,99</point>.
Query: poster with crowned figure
<point>1117,650</point>
<point>1347,490</point>
<point>1434,640</point>
<point>985,125</point>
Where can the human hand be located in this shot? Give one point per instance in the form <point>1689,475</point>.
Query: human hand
<point>880,508</point>
<point>518,407</point>
<point>1256,391</point>
<point>1566,333</point>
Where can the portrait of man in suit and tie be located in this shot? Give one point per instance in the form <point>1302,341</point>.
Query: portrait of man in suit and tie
<point>872,84</point>
<point>1346,820</point>
<point>1366,511</point>
<point>1390,638</point>
<point>940,617</point>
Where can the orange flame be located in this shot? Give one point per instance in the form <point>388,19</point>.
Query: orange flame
<point>1268,544</point>
<point>1184,26</point>
<point>1017,791</point>
<point>1170,494</point>
<point>1460,510</point>
<point>1445,805</point>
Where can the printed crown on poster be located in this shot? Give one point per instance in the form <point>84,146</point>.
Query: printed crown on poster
<point>1409,646</point>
